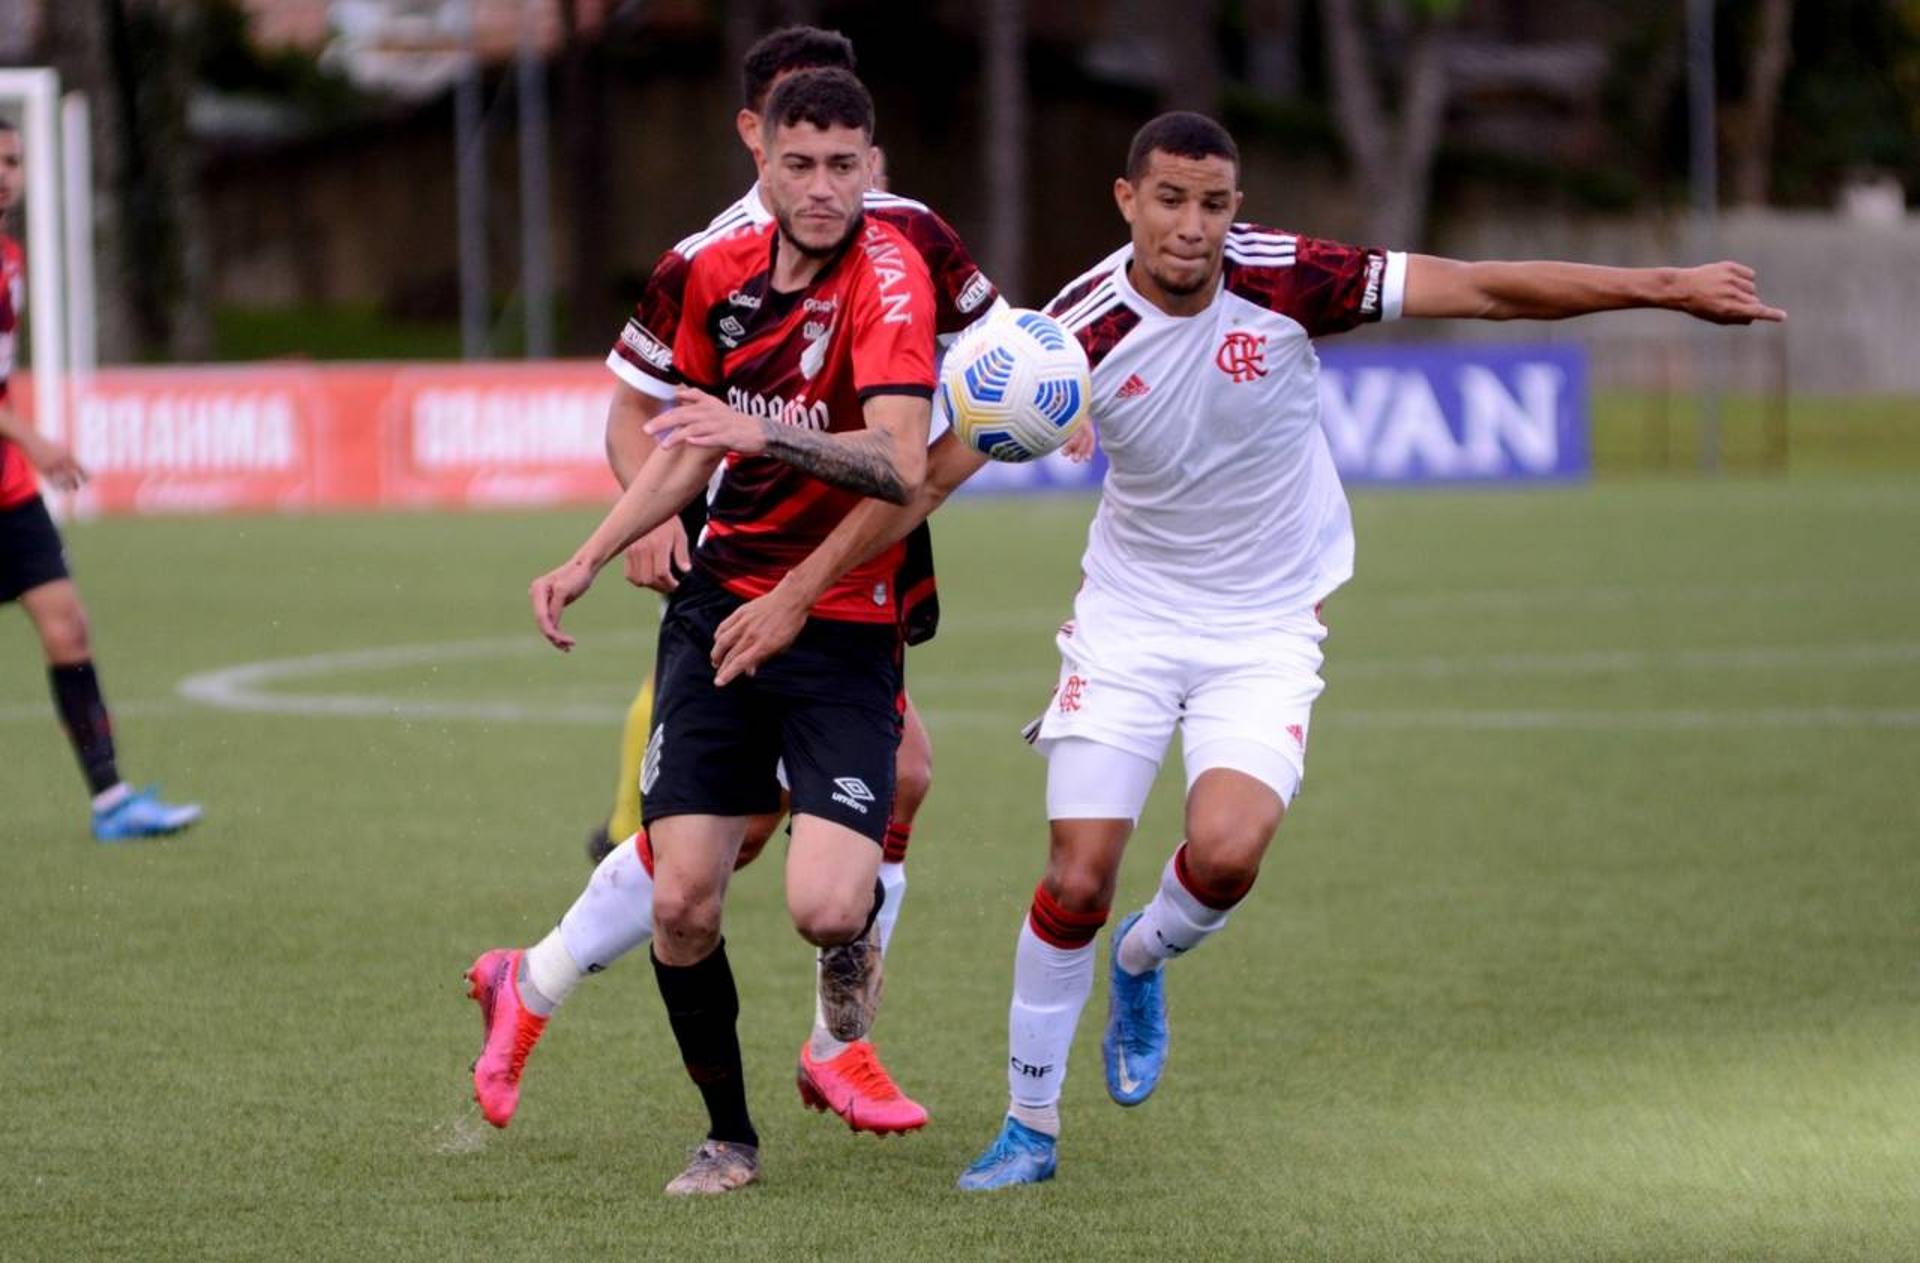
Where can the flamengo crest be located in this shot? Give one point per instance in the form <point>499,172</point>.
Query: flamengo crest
<point>1243,356</point>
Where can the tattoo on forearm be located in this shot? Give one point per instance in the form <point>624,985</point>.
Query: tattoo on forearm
<point>859,462</point>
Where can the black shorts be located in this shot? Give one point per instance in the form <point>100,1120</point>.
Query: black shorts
<point>30,550</point>
<point>827,706</point>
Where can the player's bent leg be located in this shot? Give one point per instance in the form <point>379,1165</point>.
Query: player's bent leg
<point>518,991</point>
<point>1231,818</point>
<point>1094,795</point>
<point>913,780</point>
<point>834,896</point>
<point>120,812</point>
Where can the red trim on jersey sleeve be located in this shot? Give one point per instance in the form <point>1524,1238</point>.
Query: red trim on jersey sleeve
<point>1326,286</point>
<point>892,312</point>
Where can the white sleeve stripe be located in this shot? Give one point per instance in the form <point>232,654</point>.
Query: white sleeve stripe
<point>724,226</point>
<point>1104,295</point>
<point>874,197</point>
<point>1250,237</point>
<point>644,382</point>
<point>1393,290</point>
<point>1268,259</point>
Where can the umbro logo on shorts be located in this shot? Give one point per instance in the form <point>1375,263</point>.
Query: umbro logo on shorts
<point>851,791</point>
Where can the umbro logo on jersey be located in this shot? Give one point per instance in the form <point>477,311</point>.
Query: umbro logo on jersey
<point>1298,734</point>
<point>851,791</point>
<point>731,331</point>
<point>1132,388</point>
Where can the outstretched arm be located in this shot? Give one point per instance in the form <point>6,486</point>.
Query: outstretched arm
<point>887,460</point>
<point>664,484</point>
<point>764,627</point>
<point>1723,293</point>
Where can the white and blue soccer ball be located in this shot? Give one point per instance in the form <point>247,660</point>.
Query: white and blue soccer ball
<point>1016,387</point>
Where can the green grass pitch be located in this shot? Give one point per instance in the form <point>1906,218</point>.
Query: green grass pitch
<point>1596,933</point>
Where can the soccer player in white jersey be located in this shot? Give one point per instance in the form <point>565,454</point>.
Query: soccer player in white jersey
<point>518,990</point>
<point>1221,528</point>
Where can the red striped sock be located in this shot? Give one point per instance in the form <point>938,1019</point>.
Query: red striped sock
<point>1062,927</point>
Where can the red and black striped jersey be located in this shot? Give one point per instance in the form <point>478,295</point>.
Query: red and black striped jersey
<point>18,482</point>
<point>642,356</point>
<point>812,357</point>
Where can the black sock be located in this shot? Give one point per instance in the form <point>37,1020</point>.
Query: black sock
<point>76,693</point>
<point>703,1008</point>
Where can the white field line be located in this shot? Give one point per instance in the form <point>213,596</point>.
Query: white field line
<point>245,688</point>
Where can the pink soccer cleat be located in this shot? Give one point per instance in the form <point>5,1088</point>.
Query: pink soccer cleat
<point>511,1033</point>
<point>858,1088</point>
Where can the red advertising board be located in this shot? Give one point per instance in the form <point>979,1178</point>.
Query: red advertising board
<point>303,438</point>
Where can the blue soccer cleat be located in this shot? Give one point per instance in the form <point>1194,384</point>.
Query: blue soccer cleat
<point>142,815</point>
<point>1135,1046</point>
<point>1018,1155</point>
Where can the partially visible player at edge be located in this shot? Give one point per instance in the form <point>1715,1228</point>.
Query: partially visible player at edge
<point>33,567</point>
<point>614,914</point>
<point>1221,528</point>
<point>817,330</point>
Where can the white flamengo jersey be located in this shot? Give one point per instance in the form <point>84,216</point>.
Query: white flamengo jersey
<point>1221,500</point>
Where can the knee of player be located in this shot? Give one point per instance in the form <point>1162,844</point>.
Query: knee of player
<point>1225,867</point>
<point>913,777</point>
<point>67,635</point>
<point>828,921</point>
<point>1079,886</point>
<point>1237,836</point>
<point>685,912</point>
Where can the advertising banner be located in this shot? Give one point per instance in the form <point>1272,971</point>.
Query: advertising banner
<point>303,437</point>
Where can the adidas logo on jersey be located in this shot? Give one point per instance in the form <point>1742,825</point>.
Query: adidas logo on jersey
<point>1133,388</point>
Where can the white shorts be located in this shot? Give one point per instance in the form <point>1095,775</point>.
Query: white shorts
<point>1241,696</point>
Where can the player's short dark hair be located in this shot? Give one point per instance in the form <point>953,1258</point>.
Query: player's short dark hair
<point>1181,134</point>
<point>825,98</point>
<point>790,48</point>
<point>7,124</point>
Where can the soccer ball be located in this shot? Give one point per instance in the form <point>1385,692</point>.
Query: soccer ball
<point>1016,387</point>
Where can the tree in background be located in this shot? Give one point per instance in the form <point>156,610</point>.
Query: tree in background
<point>1391,151</point>
<point>1751,124</point>
<point>136,61</point>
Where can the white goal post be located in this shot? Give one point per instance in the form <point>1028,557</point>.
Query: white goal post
<point>57,150</point>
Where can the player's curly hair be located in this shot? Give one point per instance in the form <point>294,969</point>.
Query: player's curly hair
<point>825,98</point>
<point>1180,134</point>
<point>787,49</point>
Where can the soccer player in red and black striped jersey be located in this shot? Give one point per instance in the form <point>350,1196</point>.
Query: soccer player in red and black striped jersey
<point>807,346</point>
<point>614,913</point>
<point>33,566</point>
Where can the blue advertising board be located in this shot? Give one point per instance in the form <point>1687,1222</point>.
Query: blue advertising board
<point>1415,414</point>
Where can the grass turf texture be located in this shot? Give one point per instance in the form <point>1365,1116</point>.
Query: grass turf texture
<point>1593,935</point>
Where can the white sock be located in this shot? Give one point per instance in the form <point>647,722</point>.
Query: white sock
<point>1050,987</point>
<point>894,878</point>
<point>548,975</point>
<point>1174,922</point>
<point>614,914</point>
<point>111,797</point>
